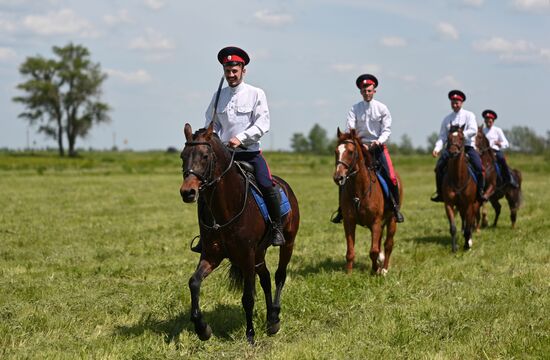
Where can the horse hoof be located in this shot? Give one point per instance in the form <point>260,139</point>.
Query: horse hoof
<point>250,340</point>
<point>382,271</point>
<point>273,328</point>
<point>206,333</point>
<point>380,259</point>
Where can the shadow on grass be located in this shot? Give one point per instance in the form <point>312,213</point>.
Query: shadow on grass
<point>223,320</point>
<point>440,240</point>
<point>330,265</point>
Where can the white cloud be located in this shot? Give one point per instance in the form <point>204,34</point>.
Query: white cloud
<point>267,17</point>
<point>447,81</point>
<point>136,77</point>
<point>447,31</point>
<point>393,41</point>
<point>155,4</point>
<point>153,40</point>
<point>473,3</point>
<point>545,54</point>
<point>343,68</point>
<point>354,68</point>
<point>518,51</point>
<point>7,26</point>
<point>120,17</point>
<point>7,54</point>
<point>62,22</point>
<point>531,5</point>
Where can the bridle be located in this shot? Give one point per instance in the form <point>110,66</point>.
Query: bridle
<point>205,183</point>
<point>459,147</point>
<point>351,171</point>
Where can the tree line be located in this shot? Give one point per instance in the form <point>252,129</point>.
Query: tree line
<point>521,138</point>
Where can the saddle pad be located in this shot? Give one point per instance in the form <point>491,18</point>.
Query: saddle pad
<point>384,184</point>
<point>285,204</point>
<point>472,173</point>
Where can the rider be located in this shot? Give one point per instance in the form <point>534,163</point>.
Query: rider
<point>498,142</point>
<point>242,118</point>
<point>372,120</point>
<point>459,117</point>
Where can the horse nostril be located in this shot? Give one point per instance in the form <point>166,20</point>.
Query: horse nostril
<point>188,195</point>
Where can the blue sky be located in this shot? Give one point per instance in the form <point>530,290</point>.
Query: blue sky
<point>306,54</point>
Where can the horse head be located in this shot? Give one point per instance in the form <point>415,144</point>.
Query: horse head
<point>482,143</point>
<point>349,154</point>
<point>455,140</point>
<point>198,161</point>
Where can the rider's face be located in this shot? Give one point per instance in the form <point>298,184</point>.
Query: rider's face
<point>456,105</point>
<point>368,92</point>
<point>489,122</point>
<point>234,74</point>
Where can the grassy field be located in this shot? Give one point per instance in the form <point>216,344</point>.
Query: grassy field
<point>94,263</point>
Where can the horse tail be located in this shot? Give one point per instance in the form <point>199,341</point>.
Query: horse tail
<point>236,278</point>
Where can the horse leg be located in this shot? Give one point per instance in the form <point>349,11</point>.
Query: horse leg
<point>388,246</point>
<point>285,253</point>
<point>512,196</point>
<point>349,229</point>
<point>497,207</point>
<point>202,329</point>
<point>247,301</point>
<point>376,239</point>
<point>484,221</point>
<point>469,224</point>
<point>272,317</point>
<point>452,227</point>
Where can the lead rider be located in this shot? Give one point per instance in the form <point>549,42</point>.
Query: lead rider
<point>241,119</point>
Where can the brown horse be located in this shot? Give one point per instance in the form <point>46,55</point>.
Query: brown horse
<point>362,200</point>
<point>231,226</point>
<point>459,189</point>
<point>497,187</point>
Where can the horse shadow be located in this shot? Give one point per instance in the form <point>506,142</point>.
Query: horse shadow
<point>224,320</point>
<point>441,240</point>
<point>327,265</point>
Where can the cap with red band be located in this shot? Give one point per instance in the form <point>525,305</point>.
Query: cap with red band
<point>232,55</point>
<point>366,80</point>
<point>489,114</point>
<point>457,95</point>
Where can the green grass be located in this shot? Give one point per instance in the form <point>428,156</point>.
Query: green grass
<point>94,263</point>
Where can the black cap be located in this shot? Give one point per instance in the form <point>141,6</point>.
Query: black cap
<point>489,114</point>
<point>232,55</point>
<point>366,80</point>
<point>457,95</point>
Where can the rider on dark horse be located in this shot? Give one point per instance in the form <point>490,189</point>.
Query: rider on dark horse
<point>372,121</point>
<point>459,117</point>
<point>498,142</point>
<point>241,119</point>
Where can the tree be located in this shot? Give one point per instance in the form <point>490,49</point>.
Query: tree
<point>63,94</point>
<point>299,143</point>
<point>318,141</point>
<point>524,139</point>
<point>431,139</point>
<point>406,146</point>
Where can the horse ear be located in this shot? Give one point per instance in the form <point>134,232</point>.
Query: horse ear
<point>209,130</point>
<point>352,133</point>
<point>338,132</point>
<point>188,132</point>
<point>462,127</point>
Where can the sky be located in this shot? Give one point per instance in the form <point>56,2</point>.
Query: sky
<point>160,57</point>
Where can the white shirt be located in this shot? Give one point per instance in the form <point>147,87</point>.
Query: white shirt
<point>242,112</point>
<point>371,120</point>
<point>462,117</point>
<point>495,134</point>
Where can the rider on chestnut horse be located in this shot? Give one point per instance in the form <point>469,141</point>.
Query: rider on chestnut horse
<point>372,121</point>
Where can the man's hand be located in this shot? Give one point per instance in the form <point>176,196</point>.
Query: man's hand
<point>435,153</point>
<point>234,142</point>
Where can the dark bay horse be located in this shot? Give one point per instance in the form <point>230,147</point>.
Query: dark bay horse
<point>459,189</point>
<point>362,200</point>
<point>232,227</point>
<point>498,188</point>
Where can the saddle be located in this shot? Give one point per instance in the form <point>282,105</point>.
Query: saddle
<point>247,171</point>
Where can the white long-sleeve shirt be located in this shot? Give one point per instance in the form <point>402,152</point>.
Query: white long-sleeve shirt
<point>462,117</point>
<point>495,134</point>
<point>371,120</point>
<point>242,112</point>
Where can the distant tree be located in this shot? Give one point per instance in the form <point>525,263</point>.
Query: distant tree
<point>318,141</point>
<point>524,139</point>
<point>431,139</point>
<point>63,94</point>
<point>299,143</point>
<point>406,147</point>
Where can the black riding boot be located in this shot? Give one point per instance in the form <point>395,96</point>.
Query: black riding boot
<point>480,187</point>
<point>438,180</point>
<point>272,202</point>
<point>394,197</point>
<point>513,182</point>
<point>338,217</point>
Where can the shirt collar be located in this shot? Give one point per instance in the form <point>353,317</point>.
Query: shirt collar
<point>237,88</point>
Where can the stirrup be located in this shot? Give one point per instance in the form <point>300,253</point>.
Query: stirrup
<point>398,216</point>
<point>436,198</point>
<point>197,248</point>
<point>277,237</point>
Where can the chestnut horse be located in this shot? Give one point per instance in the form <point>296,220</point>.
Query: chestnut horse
<point>232,226</point>
<point>459,189</point>
<point>498,188</point>
<point>362,200</point>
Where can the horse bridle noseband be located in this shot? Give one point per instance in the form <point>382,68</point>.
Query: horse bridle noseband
<point>203,178</point>
<point>351,171</point>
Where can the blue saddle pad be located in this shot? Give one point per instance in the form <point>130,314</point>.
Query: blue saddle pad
<point>498,170</point>
<point>384,184</point>
<point>472,173</point>
<point>285,204</point>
